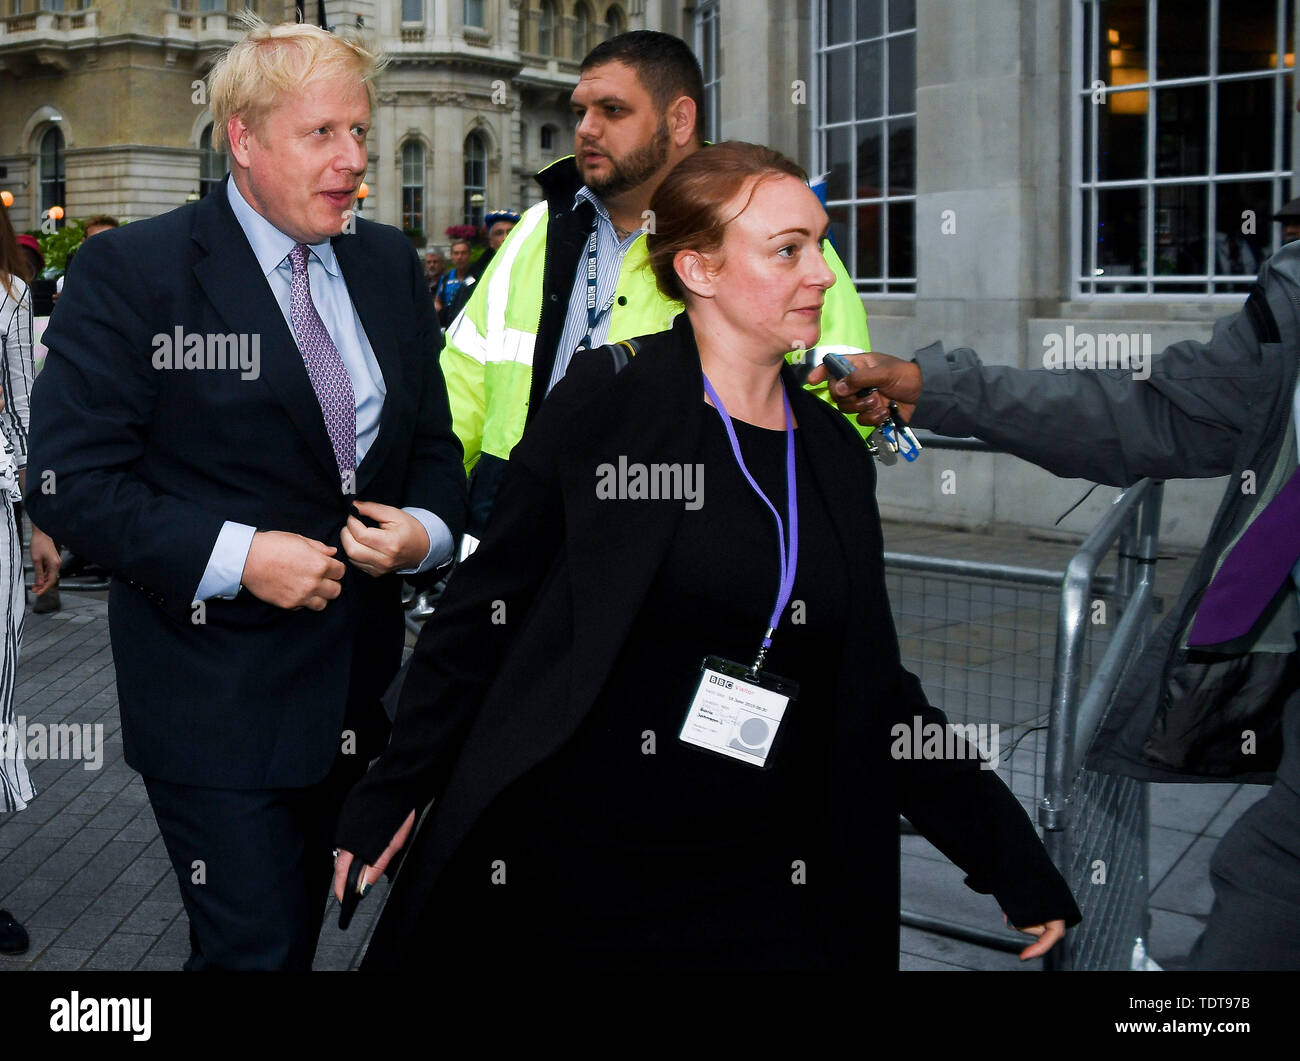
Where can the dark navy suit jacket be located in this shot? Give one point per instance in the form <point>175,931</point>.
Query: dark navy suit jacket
<point>137,467</point>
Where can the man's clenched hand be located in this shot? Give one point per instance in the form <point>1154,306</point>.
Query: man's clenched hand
<point>291,571</point>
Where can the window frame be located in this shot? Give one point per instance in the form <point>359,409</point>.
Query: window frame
<point>709,11</point>
<point>207,155</point>
<point>885,286</point>
<point>1085,57</point>
<point>466,187</point>
<point>422,187</point>
<point>544,8</point>
<point>59,183</point>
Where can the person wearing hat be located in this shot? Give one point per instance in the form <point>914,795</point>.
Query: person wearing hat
<point>30,248</point>
<point>499,223</point>
<point>1289,215</point>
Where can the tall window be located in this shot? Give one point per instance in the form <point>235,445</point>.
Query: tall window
<point>413,186</point>
<point>615,23</point>
<point>474,12</point>
<point>706,49</point>
<point>546,29</point>
<point>475,179</point>
<point>412,10</point>
<point>581,30</point>
<point>53,189</point>
<point>866,138</point>
<point>1186,142</point>
<point>548,139</point>
<point>212,164</point>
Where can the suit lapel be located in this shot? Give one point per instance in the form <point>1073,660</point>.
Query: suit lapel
<point>374,306</point>
<point>250,309</point>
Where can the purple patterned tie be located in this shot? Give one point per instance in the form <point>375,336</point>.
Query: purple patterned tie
<point>1250,576</point>
<point>329,375</point>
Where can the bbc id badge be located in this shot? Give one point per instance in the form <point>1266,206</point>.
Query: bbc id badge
<point>737,713</point>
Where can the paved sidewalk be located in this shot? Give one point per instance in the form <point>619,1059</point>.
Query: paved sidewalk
<point>84,869</point>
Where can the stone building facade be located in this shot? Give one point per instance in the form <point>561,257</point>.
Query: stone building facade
<point>1012,175</point>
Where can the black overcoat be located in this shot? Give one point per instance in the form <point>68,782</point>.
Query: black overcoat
<point>486,700</point>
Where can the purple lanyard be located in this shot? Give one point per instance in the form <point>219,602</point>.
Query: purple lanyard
<point>789,554</point>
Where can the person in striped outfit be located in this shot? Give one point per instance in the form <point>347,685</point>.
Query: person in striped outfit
<point>16,373</point>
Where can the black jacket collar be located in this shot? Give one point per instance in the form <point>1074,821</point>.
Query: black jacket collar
<point>560,181</point>
<point>654,413</point>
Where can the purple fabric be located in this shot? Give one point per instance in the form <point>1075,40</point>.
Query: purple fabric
<point>1253,572</point>
<point>329,375</point>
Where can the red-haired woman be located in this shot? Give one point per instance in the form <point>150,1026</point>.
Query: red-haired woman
<point>655,708</point>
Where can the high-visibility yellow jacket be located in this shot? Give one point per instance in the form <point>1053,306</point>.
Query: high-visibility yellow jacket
<point>501,349</point>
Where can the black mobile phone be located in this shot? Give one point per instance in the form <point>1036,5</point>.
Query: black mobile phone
<point>351,896</point>
<point>839,367</point>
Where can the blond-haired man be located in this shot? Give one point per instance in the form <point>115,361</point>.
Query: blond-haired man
<point>233,385</point>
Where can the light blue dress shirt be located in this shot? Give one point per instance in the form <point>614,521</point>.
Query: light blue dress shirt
<point>330,295</point>
<point>609,263</point>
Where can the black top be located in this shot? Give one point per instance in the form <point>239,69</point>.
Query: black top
<point>631,838</point>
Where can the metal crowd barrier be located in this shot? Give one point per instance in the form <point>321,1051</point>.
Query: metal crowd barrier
<point>979,637</point>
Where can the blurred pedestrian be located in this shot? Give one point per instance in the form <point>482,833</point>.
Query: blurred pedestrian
<point>1289,215</point>
<point>434,267</point>
<point>451,281</point>
<point>499,225</point>
<point>16,374</point>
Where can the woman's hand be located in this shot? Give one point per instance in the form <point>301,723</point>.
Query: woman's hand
<point>45,561</point>
<point>370,874</point>
<point>1047,935</point>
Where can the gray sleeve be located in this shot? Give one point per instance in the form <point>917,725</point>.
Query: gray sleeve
<point>1183,421</point>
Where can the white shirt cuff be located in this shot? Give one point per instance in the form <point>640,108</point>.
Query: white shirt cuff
<point>226,564</point>
<point>439,541</point>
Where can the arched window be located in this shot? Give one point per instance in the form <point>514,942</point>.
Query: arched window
<point>546,29</point>
<point>413,187</point>
<point>212,164</point>
<point>475,179</point>
<point>53,189</point>
<point>581,30</point>
<point>614,21</point>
